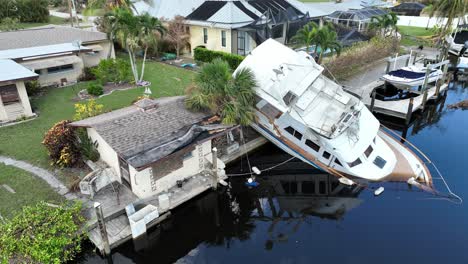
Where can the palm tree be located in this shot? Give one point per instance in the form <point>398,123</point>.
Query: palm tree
<point>385,23</point>
<point>450,9</point>
<point>151,29</point>
<point>135,33</point>
<point>110,4</point>
<point>232,97</point>
<point>307,35</point>
<point>327,39</point>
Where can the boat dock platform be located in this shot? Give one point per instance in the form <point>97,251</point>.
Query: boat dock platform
<point>367,84</point>
<point>109,225</point>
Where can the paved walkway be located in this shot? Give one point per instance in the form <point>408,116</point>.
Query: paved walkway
<point>45,175</point>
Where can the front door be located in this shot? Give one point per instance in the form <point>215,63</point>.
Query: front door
<point>125,173</point>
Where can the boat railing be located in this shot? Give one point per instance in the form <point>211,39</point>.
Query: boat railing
<point>451,195</point>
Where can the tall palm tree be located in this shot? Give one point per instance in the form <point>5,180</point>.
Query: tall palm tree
<point>151,29</point>
<point>135,33</point>
<point>232,97</point>
<point>450,9</point>
<point>386,23</point>
<point>327,39</point>
<point>307,35</point>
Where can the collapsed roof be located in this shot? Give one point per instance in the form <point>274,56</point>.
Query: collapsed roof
<point>150,130</point>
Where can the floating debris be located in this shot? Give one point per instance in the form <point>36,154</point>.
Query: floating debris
<point>379,191</point>
<point>460,105</point>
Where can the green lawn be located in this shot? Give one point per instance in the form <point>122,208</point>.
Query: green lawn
<point>23,141</point>
<point>29,190</point>
<point>52,20</point>
<point>414,36</point>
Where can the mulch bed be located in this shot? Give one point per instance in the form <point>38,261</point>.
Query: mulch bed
<point>108,89</point>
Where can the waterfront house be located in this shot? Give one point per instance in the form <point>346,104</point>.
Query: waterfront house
<point>58,54</point>
<point>153,144</point>
<point>14,101</point>
<point>239,26</point>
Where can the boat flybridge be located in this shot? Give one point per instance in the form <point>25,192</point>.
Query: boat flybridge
<point>314,119</point>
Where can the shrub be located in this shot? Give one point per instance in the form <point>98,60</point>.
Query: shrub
<point>88,148</point>
<point>113,71</point>
<point>206,55</point>
<point>33,87</point>
<point>25,10</point>
<point>89,109</point>
<point>358,55</point>
<point>61,144</point>
<point>42,234</point>
<point>9,24</point>
<point>87,75</point>
<point>95,89</point>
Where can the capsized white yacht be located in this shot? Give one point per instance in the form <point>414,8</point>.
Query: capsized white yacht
<point>314,119</point>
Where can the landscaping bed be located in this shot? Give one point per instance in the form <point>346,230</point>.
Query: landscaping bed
<point>107,89</point>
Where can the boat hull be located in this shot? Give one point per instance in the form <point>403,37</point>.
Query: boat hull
<point>409,165</point>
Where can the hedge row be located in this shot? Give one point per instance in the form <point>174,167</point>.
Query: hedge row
<point>25,10</point>
<point>206,55</point>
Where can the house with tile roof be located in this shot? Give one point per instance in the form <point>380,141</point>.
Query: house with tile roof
<point>58,54</point>
<point>153,144</point>
<point>238,26</point>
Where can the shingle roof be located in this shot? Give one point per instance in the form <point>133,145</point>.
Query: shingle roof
<point>47,35</point>
<point>137,135</point>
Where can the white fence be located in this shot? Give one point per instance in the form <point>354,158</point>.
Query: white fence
<point>417,21</point>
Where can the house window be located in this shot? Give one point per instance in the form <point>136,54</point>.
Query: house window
<point>308,187</point>
<point>322,187</point>
<point>62,68</point>
<point>125,172</point>
<point>289,187</point>
<point>9,94</point>
<point>277,31</point>
<point>205,35</point>
<point>37,72</point>
<point>223,38</point>
<point>241,43</point>
<point>326,155</point>
<point>293,132</point>
<point>312,145</point>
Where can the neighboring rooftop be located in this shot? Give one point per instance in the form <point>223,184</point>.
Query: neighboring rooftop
<point>11,71</point>
<point>235,14</point>
<point>167,8</point>
<point>144,136</point>
<point>47,35</point>
<point>363,15</point>
<point>37,51</point>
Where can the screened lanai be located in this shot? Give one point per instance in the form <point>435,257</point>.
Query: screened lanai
<point>358,19</point>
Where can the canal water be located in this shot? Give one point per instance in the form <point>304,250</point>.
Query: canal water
<point>299,215</point>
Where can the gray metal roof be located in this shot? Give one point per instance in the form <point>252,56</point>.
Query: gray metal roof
<point>47,35</point>
<point>10,71</point>
<point>167,8</point>
<point>142,137</point>
<point>40,51</point>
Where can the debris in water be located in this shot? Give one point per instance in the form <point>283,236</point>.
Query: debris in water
<point>379,191</point>
<point>460,105</point>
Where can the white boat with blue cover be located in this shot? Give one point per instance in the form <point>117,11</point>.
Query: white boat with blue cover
<point>314,119</point>
<point>412,76</point>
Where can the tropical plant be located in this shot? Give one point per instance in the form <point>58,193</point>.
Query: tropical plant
<point>95,89</point>
<point>113,71</point>
<point>9,24</point>
<point>135,33</point>
<point>450,9</point>
<point>307,35</point>
<point>33,87</point>
<point>206,55</point>
<point>327,39</point>
<point>42,234</point>
<point>89,109</point>
<point>385,23</point>
<point>61,144</point>
<point>177,34</point>
<point>88,147</point>
<point>232,97</point>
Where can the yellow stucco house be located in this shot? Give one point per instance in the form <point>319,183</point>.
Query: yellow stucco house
<point>239,26</point>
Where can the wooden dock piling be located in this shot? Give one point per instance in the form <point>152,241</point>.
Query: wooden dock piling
<point>409,112</point>
<point>214,153</point>
<point>424,86</point>
<point>374,92</point>
<point>102,228</point>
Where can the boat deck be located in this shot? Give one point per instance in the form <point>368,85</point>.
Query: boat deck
<point>397,108</point>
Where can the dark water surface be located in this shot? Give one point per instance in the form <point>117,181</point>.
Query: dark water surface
<point>301,216</point>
